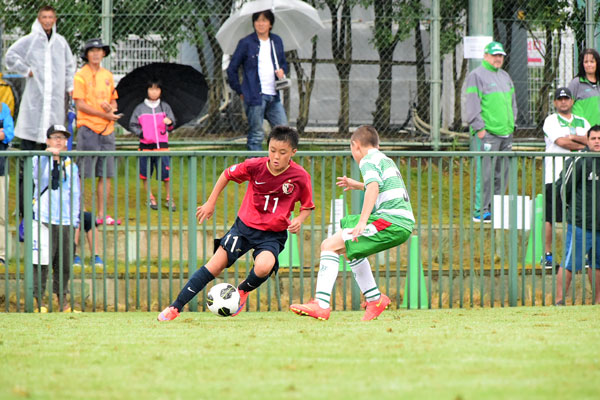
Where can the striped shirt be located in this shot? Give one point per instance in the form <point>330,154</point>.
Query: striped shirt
<point>393,203</point>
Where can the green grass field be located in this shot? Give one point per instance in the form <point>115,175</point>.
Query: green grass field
<point>527,353</point>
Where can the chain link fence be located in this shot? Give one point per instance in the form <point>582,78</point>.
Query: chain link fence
<point>371,63</point>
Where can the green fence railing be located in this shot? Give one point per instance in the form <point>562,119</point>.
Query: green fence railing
<point>150,255</point>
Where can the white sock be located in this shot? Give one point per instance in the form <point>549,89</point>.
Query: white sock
<point>364,278</point>
<point>328,271</point>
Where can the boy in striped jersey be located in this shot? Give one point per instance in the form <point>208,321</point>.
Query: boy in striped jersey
<point>386,221</point>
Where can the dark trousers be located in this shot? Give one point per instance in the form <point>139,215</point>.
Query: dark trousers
<point>60,270</point>
<point>26,145</point>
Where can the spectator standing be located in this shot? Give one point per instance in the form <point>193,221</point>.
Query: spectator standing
<point>151,120</point>
<point>56,207</point>
<point>7,133</point>
<point>491,114</point>
<point>96,101</point>
<point>45,59</point>
<point>91,237</point>
<point>564,132</point>
<point>580,191</point>
<point>585,89</point>
<point>261,57</point>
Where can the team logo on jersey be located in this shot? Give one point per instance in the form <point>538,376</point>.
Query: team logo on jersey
<point>288,188</point>
<point>232,168</point>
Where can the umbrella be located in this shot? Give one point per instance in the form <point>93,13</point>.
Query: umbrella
<point>295,22</point>
<point>183,87</point>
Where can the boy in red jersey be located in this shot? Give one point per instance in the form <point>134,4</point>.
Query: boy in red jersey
<point>276,183</point>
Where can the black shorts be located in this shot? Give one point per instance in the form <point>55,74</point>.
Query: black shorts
<point>242,238</point>
<point>551,201</point>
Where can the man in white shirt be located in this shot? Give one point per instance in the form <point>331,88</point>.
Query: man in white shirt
<point>564,132</point>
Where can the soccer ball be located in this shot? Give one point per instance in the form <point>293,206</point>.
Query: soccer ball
<point>223,299</point>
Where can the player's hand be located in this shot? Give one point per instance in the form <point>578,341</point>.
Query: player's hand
<point>204,212</point>
<point>280,73</point>
<point>294,226</point>
<point>358,230</point>
<point>481,134</point>
<point>349,183</point>
<point>2,136</point>
<point>167,121</point>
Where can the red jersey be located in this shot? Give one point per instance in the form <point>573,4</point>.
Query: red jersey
<point>270,199</point>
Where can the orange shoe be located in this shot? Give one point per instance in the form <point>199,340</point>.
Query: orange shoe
<point>243,299</point>
<point>168,314</point>
<point>376,307</point>
<point>312,309</point>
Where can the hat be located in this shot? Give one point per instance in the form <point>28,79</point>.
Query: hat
<point>562,92</point>
<point>57,128</point>
<point>94,44</point>
<point>494,48</point>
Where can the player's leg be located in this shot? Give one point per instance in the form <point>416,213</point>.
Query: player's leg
<point>263,267</point>
<point>320,307</point>
<point>213,268</point>
<point>267,246</point>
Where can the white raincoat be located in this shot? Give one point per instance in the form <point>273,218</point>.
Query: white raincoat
<point>53,67</point>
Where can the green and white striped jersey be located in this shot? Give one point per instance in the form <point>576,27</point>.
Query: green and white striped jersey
<point>393,203</point>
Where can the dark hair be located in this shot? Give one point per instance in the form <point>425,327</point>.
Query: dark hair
<point>154,82</point>
<point>268,14</point>
<point>366,135</point>
<point>47,8</point>
<point>594,53</point>
<point>284,133</point>
<point>595,128</point>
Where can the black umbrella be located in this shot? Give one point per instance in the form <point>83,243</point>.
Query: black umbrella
<point>183,87</point>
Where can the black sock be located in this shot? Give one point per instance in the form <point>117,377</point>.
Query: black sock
<point>252,282</point>
<point>199,279</point>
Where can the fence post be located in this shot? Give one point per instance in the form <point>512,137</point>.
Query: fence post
<point>27,224</point>
<point>513,233</point>
<point>192,225</point>
<point>590,25</point>
<point>357,197</point>
<point>436,81</point>
<point>107,15</point>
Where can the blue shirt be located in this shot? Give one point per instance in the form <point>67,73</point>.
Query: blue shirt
<point>246,55</point>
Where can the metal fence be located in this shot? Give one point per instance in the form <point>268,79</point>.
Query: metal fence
<point>397,64</point>
<point>455,263</point>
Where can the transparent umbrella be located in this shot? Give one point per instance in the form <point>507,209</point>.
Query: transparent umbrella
<point>295,23</point>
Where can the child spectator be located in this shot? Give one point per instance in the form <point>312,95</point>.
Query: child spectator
<point>91,238</point>
<point>151,120</point>
<point>55,210</point>
<point>7,132</point>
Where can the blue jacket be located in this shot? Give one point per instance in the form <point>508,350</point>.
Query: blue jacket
<point>9,133</point>
<point>246,55</point>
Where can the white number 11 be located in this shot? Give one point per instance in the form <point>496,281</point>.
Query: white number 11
<point>275,200</point>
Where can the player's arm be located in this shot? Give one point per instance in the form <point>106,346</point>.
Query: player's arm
<point>295,223</point>
<point>206,210</point>
<point>371,193</point>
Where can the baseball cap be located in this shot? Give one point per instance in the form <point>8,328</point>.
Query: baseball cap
<point>95,43</point>
<point>494,48</point>
<point>57,128</point>
<point>562,92</point>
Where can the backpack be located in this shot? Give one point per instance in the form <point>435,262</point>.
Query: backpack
<point>7,95</point>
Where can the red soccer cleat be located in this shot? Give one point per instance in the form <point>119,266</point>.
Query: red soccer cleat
<point>168,314</point>
<point>312,309</point>
<point>243,299</point>
<point>376,307</point>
